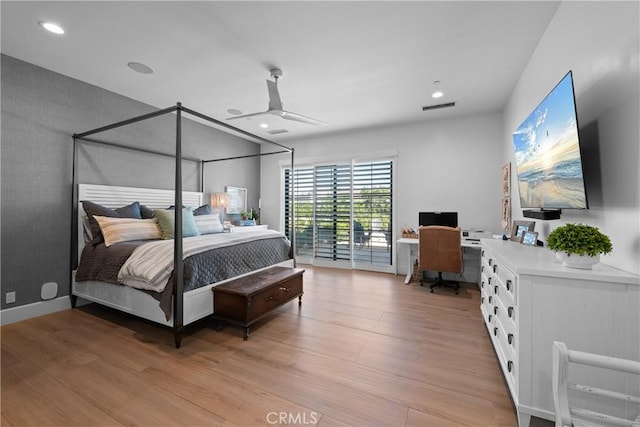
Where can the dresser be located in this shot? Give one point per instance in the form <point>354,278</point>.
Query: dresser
<point>529,299</point>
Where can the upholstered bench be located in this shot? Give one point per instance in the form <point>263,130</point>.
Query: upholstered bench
<point>244,300</point>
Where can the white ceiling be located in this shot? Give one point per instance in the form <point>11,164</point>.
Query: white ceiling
<point>354,65</point>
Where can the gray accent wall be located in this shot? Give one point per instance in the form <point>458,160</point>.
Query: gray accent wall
<point>40,112</point>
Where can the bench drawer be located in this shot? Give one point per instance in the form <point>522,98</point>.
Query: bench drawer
<point>273,297</point>
<point>247,299</point>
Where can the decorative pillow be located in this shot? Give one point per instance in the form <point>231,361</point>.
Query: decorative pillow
<point>208,224</point>
<point>166,219</point>
<point>117,230</point>
<point>146,212</point>
<point>202,210</point>
<point>86,229</point>
<point>91,209</point>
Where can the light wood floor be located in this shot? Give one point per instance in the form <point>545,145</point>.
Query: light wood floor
<point>363,350</point>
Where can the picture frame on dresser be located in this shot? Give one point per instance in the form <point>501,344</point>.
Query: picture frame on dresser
<point>519,228</point>
<point>529,238</point>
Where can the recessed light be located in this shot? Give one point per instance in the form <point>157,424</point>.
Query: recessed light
<point>51,27</point>
<point>234,111</point>
<point>264,125</point>
<point>140,68</point>
<point>437,94</point>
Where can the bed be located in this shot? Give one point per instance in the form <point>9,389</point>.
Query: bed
<point>181,302</point>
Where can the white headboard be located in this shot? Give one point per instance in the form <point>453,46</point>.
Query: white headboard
<point>115,197</point>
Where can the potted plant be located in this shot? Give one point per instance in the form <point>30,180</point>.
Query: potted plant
<point>579,245</point>
<point>248,217</point>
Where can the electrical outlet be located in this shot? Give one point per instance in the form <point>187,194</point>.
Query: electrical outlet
<point>10,297</point>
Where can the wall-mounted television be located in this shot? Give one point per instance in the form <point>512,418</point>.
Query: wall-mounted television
<point>447,219</point>
<point>547,153</point>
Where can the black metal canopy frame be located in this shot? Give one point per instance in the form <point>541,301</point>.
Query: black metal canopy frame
<point>178,297</point>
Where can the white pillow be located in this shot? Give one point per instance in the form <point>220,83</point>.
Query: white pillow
<point>208,224</point>
<point>117,230</point>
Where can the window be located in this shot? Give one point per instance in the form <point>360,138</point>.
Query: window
<point>343,212</point>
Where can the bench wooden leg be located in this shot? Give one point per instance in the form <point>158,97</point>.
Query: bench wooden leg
<point>300,301</point>
<point>246,333</point>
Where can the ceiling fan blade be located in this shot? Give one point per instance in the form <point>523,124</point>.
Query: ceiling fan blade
<point>300,118</point>
<point>244,116</point>
<point>275,103</point>
<point>275,107</point>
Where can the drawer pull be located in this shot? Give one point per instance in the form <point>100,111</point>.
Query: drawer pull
<point>482,300</point>
<point>490,317</point>
<point>490,262</point>
<point>508,285</point>
<point>510,338</point>
<point>489,280</point>
<point>285,289</point>
<point>495,290</point>
<point>510,311</point>
<point>490,299</point>
<point>482,253</point>
<point>495,332</point>
<point>495,310</point>
<point>482,268</point>
<point>509,366</point>
<point>495,267</point>
<point>482,284</point>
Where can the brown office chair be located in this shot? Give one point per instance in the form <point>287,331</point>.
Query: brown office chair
<point>441,251</point>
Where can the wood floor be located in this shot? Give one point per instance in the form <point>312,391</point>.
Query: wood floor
<point>364,349</point>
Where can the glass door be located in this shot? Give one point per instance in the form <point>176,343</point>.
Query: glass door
<point>343,214</point>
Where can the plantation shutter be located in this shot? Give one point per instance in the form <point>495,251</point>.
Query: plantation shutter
<point>372,208</point>
<point>333,212</point>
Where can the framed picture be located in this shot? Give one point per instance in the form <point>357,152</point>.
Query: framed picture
<point>529,238</point>
<point>506,213</point>
<point>519,228</point>
<point>506,180</point>
<point>237,200</point>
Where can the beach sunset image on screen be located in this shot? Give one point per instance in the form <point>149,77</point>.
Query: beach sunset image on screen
<point>547,153</point>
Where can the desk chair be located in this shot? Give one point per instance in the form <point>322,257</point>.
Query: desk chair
<point>568,413</point>
<point>440,250</point>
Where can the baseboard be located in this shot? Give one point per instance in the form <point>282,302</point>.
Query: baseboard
<point>40,308</point>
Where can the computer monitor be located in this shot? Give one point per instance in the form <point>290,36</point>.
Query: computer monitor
<point>448,219</point>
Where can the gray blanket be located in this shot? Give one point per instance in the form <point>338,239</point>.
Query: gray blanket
<point>102,263</point>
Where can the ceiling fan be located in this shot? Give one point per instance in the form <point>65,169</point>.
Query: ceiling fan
<point>275,104</point>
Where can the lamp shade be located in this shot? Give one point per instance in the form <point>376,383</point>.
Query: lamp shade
<point>219,200</point>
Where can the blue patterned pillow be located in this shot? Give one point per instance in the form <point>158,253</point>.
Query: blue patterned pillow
<point>208,224</point>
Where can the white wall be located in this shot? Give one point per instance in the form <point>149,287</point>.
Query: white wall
<point>445,165</point>
<point>599,42</point>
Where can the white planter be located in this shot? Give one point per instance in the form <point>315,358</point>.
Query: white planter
<point>583,262</point>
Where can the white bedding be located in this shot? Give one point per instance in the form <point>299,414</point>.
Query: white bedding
<point>150,265</point>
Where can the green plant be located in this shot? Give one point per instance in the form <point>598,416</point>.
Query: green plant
<point>579,239</point>
<point>250,214</point>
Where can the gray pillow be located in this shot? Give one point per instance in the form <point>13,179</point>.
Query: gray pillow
<point>91,209</point>
<point>146,212</point>
<point>202,210</point>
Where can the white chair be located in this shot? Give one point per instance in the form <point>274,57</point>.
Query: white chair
<point>568,415</point>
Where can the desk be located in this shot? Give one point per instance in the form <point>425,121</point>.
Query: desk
<point>413,243</point>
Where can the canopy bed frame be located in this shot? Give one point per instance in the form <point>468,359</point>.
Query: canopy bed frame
<point>199,301</point>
